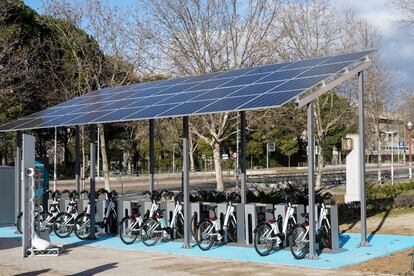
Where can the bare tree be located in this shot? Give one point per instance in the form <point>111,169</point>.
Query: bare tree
<point>406,8</point>
<point>197,37</point>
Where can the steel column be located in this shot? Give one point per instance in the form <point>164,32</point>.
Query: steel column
<point>186,183</point>
<point>311,182</point>
<point>361,126</point>
<point>77,159</point>
<point>92,182</point>
<point>242,158</point>
<point>18,175</point>
<point>151,155</point>
<point>55,163</point>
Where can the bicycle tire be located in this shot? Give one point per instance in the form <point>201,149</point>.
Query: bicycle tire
<point>63,217</point>
<point>149,238</point>
<point>303,249</point>
<point>79,225</point>
<point>325,235</point>
<point>43,216</point>
<point>202,227</point>
<point>194,222</point>
<point>180,227</point>
<point>128,221</point>
<point>19,223</point>
<point>232,231</point>
<point>259,231</point>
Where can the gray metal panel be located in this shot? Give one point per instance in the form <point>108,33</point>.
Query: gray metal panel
<point>7,195</point>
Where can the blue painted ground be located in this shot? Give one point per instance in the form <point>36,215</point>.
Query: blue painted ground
<point>380,246</point>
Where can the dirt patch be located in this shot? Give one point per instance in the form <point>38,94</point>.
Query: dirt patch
<point>6,270</point>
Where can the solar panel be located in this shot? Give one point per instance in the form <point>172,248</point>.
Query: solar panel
<point>242,89</point>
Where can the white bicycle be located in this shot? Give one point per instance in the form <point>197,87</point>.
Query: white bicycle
<point>211,230</point>
<point>299,240</point>
<point>130,226</point>
<point>274,231</point>
<point>65,221</point>
<point>156,226</point>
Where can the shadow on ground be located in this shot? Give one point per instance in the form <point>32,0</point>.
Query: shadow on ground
<point>95,270</point>
<point>9,243</point>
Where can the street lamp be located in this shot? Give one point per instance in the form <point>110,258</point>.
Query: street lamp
<point>392,155</point>
<point>409,127</point>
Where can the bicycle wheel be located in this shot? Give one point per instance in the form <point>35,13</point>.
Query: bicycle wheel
<point>46,221</point>
<point>205,235</point>
<point>112,227</point>
<point>128,230</point>
<point>150,232</point>
<point>63,225</point>
<point>325,235</point>
<point>180,227</point>
<point>232,231</point>
<point>19,223</point>
<point>299,242</point>
<point>82,226</point>
<point>262,243</point>
<point>194,222</point>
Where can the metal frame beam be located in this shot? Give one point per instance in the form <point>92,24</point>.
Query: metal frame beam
<point>18,175</point>
<point>151,154</point>
<point>311,182</point>
<point>92,182</point>
<point>77,158</point>
<point>242,158</point>
<point>329,86</point>
<point>186,183</point>
<point>361,128</point>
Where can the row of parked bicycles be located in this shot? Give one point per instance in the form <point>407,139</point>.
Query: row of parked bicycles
<point>272,234</point>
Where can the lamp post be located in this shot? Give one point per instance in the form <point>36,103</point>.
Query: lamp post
<point>392,155</point>
<point>409,127</point>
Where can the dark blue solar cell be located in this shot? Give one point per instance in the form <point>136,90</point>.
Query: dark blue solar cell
<point>182,97</point>
<point>226,104</point>
<point>186,108</point>
<point>271,99</point>
<point>86,119</point>
<point>304,83</point>
<point>284,75</point>
<point>134,94</point>
<point>118,114</point>
<point>71,102</point>
<point>150,112</point>
<point>209,84</point>
<point>113,90</point>
<point>173,81</point>
<point>176,88</point>
<point>15,124</point>
<point>268,68</point>
<point>325,69</point>
<point>202,78</point>
<point>59,121</point>
<point>255,89</point>
<point>243,80</point>
<point>46,112</point>
<point>306,63</point>
<point>118,104</point>
<point>217,93</point>
<point>149,100</point>
<point>347,57</point>
<point>234,73</point>
<point>92,107</point>
<point>115,97</point>
<point>36,122</point>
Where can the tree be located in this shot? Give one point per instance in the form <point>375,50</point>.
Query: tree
<point>254,149</point>
<point>197,37</point>
<point>288,146</point>
<point>407,12</point>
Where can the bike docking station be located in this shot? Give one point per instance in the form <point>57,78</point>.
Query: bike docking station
<point>200,210</point>
<point>252,217</point>
<point>34,243</point>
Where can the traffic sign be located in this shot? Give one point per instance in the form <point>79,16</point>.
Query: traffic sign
<point>402,145</point>
<point>225,156</point>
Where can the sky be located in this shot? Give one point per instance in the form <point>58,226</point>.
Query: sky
<point>397,50</point>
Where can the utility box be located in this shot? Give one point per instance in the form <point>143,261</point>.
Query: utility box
<point>353,182</point>
<point>7,196</point>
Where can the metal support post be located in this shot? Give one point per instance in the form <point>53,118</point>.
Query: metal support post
<point>92,182</point>
<point>242,158</point>
<point>186,183</point>
<point>98,155</point>
<point>311,182</point>
<point>18,175</point>
<point>55,163</point>
<point>151,155</point>
<point>77,159</point>
<point>361,105</point>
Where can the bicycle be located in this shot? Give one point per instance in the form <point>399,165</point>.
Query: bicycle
<point>46,217</point>
<point>130,226</point>
<point>82,221</point>
<point>211,230</point>
<point>299,240</point>
<point>274,231</point>
<point>65,221</point>
<point>156,226</point>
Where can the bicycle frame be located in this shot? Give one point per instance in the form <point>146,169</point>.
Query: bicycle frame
<point>323,215</point>
<point>217,225</point>
<point>275,228</point>
<point>177,211</point>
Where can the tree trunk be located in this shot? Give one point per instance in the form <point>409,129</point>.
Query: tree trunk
<point>191,152</point>
<point>379,159</point>
<point>321,164</point>
<point>217,166</point>
<point>105,164</point>
<point>289,161</point>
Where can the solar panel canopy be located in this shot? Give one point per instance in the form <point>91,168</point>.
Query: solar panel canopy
<point>254,88</point>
